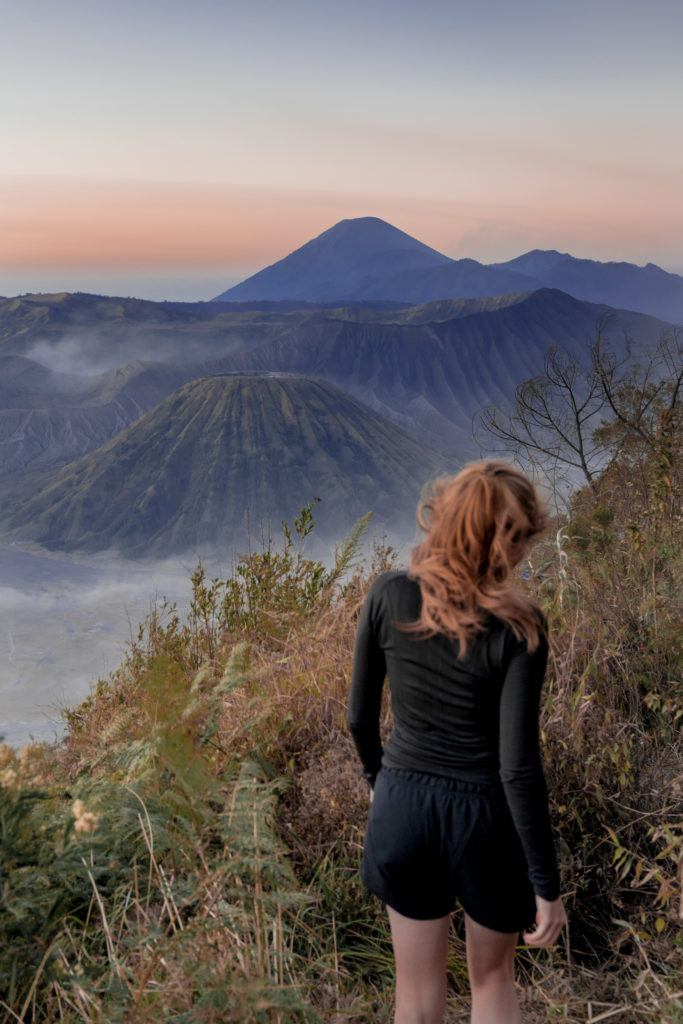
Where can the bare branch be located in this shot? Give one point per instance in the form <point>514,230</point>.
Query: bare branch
<point>559,416</point>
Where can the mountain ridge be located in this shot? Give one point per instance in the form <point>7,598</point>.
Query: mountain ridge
<point>47,417</point>
<point>427,368</point>
<point>354,261</point>
<point>224,452</point>
<point>648,289</point>
<point>361,258</point>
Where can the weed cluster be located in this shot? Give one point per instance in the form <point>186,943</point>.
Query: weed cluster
<point>190,851</point>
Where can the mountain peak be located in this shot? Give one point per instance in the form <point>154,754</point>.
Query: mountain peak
<point>535,262</point>
<point>547,253</point>
<point>337,262</point>
<point>365,260</point>
<point>616,283</point>
<point>371,230</point>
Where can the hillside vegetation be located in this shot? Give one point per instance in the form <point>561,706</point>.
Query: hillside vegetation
<point>190,851</point>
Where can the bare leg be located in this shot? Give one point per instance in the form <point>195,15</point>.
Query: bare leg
<point>490,962</point>
<point>420,948</point>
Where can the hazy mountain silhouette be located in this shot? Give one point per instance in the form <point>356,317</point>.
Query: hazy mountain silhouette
<point>365,258</point>
<point>81,333</point>
<point>432,368</point>
<point>648,289</point>
<point>427,368</point>
<point>455,279</point>
<point>224,453</point>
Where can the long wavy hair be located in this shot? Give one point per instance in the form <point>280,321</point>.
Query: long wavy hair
<point>478,526</point>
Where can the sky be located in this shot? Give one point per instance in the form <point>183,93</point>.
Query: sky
<point>167,149</point>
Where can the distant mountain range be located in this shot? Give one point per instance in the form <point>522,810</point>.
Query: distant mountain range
<point>431,369</point>
<point>80,333</point>
<point>428,369</point>
<point>223,457</point>
<point>367,259</point>
<point>150,427</point>
<point>647,289</point>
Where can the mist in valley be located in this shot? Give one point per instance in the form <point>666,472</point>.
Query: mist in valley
<point>67,622</point>
<point>71,355</point>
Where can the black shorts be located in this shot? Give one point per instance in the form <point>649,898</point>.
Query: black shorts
<point>431,841</point>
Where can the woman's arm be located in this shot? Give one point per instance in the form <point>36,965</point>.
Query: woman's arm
<point>365,697</point>
<point>521,770</point>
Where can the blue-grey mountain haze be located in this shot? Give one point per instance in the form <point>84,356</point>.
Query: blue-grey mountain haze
<point>77,369</point>
<point>366,258</point>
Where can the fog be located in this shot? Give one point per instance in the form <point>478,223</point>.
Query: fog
<point>95,349</point>
<point>71,356</point>
<point>65,623</point>
<point>94,355</point>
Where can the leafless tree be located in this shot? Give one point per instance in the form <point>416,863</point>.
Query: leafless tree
<point>644,400</point>
<point>570,421</point>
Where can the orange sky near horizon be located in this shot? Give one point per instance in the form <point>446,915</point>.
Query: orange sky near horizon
<point>66,224</point>
<point>167,147</point>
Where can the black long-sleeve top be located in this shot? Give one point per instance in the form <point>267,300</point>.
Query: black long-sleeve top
<point>473,718</point>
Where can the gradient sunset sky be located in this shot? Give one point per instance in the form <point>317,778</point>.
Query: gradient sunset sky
<point>168,148</point>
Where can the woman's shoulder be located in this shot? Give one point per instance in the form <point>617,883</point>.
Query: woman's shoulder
<point>396,592</point>
<point>390,576</point>
<point>496,628</point>
<point>393,581</point>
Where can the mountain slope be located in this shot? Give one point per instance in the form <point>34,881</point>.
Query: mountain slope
<point>366,260</point>
<point>456,279</point>
<point>78,333</point>
<point>430,372</point>
<point>647,289</point>
<point>48,417</point>
<point>428,368</point>
<point>222,454</point>
<point>25,384</point>
<point>338,264</point>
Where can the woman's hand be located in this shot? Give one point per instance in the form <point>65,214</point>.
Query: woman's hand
<point>550,920</point>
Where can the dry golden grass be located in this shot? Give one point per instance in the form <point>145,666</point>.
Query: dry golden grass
<point>214,874</point>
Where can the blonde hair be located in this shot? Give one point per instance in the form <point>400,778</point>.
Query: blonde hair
<point>478,527</point>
